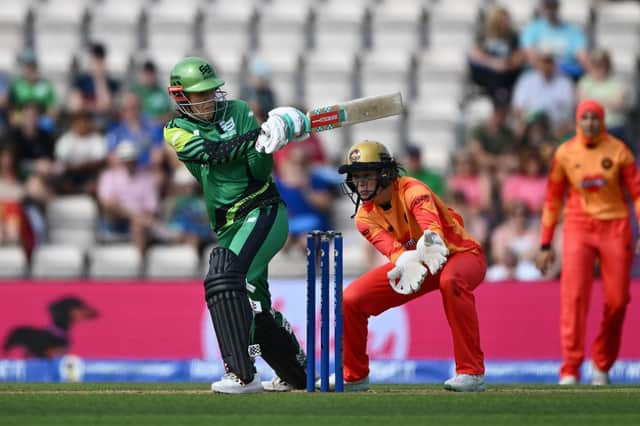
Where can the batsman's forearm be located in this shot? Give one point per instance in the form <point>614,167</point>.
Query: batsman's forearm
<point>218,152</point>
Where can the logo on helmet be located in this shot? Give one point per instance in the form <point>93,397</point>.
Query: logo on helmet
<point>354,156</point>
<point>205,69</point>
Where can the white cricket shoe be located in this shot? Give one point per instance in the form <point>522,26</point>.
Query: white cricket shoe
<point>599,377</point>
<point>230,383</point>
<point>465,383</point>
<point>277,385</point>
<point>361,385</point>
<point>568,381</point>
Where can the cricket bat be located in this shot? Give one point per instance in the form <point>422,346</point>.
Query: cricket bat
<point>355,111</point>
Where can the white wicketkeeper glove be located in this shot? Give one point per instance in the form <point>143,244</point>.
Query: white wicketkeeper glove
<point>432,251</point>
<point>285,124</point>
<point>408,274</point>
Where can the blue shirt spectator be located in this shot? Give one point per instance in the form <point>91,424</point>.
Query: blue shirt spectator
<point>566,40</point>
<point>143,133</point>
<point>307,193</point>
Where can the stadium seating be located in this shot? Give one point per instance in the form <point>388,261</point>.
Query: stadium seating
<point>57,261</point>
<point>115,261</point>
<point>172,261</point>
<point>72,220</point>
<point>13,262</point>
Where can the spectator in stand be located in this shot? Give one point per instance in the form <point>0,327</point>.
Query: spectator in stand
<point>128,198</point>
<point>518,237</point>
<point>528,186</point>
<point>5,89</point>
<point>496,59</point>
<point>184,216</point>
<point>11,193</point>
<point>601,85</point>
<point>414,168</point>
<point>566,41</point>
<point>156,103</point>
<point>30,87</point>
<point>474,222</point>
<point>307,195</point>
<point>259,86</point>
<point>492,142</point>
<point>145,134</point>
<point>539,136</point>
<point>81,153</point>
<point>468,179</point>
<point>34,146</point>
<point>22,205</point>
<point>545,89</point>
<point>93,89</point>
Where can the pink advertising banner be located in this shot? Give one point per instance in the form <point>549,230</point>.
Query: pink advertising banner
<point>169,320</point>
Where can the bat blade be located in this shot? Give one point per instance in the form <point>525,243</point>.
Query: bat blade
<point>355,111</point>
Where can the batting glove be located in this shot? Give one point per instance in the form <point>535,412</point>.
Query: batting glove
<point>432,251</point>
<point>408,274</point>
<point>285,124</point>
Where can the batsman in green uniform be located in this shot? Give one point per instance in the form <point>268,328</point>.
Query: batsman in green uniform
<point>230,155</point>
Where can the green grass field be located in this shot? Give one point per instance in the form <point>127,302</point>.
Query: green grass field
<point>193,404</point>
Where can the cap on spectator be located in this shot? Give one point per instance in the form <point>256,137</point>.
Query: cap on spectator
<point>126,151</point>
<point>98,50</point>
<point>28,57</point>
<point>546,51</point>
<point>260,68</point>
<point>413,151</point>
<point>149,66</point>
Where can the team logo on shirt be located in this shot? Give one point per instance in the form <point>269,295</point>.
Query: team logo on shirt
<point>228,125</point>
<point>606,163</point>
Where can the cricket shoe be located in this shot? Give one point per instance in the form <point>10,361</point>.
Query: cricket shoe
<point>361,385</point>
<point>230,383</point>
<point>277,385</point>
<point>465,383</point>
<point>568,380</point>
<point>599,377</point>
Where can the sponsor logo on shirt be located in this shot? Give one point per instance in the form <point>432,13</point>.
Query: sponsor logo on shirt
<point>593,183</point>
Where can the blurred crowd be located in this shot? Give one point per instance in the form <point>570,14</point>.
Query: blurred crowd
<point>104,139</point>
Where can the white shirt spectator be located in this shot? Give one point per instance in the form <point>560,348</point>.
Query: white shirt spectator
<point>555,96</point>
<point>74,149</point>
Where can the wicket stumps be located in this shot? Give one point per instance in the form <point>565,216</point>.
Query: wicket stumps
<point>318,246</point>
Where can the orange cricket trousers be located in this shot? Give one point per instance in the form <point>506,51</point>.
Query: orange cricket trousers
<point>611,242</point>
<point>371,294</point>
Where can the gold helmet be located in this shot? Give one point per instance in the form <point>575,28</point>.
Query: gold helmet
<point>368,155</point>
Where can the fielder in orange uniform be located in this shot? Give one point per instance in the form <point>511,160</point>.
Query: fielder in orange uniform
<point>428,250</point>
<point>593,169</point>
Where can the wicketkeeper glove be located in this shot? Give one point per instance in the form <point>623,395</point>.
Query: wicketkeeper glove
<point>285,124</point>
<point>408,274</point>
<point>432,251</point>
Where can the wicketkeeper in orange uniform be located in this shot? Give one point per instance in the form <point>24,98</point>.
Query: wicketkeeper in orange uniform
<point>593,169</point>
<point>428,250</point>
